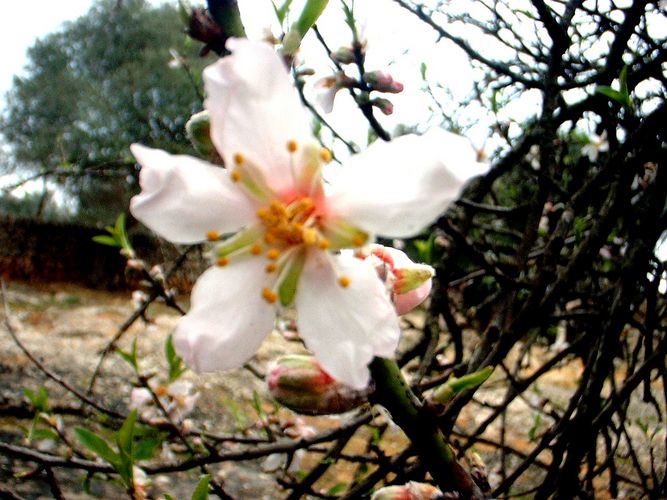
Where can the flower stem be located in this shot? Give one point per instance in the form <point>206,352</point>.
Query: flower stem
<point>392,392</point>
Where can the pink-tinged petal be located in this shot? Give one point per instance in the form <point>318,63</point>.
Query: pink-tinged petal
<point>406,302</point>
<point>345,327</point>
<point>228,318</point>
<point>255,110</point>
<point>183,198</point>
<point>396,189</point>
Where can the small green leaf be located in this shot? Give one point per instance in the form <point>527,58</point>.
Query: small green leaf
<point>201,491</point>
<point>422,70</point>
<point>175,362</point>
<point>281,12</point>
<point>309,15</point>
<point>337,489</point>
<point>130,357</point>
<point>38,433</point>
<point>39,400</point>
<point>144,449</point>
<point>126,433</point>
<point>103,239</point>
<point>532,432</point>
<point>97,445</point>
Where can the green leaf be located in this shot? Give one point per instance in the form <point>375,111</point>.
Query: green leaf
<point>40,400</point>
<point>175,362</point>
<point>104,239</point>
<point>337,489</point>
<point>38,433</point>
<point>130,357</point>
<point>144,449</point>
<point>422,70</point>
<point>201,491</point>
<point>532,432</point>
<point>282,11</point>
<point>126,433</point>
<point>97,445</point>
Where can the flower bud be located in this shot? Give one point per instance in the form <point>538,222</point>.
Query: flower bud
<point>198,130</point>
<point>410,491</point>
<point>408,282</point>
<point>299,383</point>
<point>384,105</point>
<point>344,55</point>
<point>446,392</point>
<point>382,82</point>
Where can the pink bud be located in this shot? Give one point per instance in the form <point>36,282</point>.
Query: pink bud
<point>382,82</point>
<point>410,491</point>
<point>384,105</point>
<point>410,283</point>
<point>299,383</point>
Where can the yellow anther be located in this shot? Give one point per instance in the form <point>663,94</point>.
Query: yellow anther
<point>239,159</point>
<point>273,254</point>
<point>222,261</point>
<point>235,175</point>
<point>270,238</point>
<point>325,155</point>
<point>256,249</point>
<point>263,213</point>
<point>271,267</point>
<point>160,390</point>
<point>344,281</point>
<point>278,208</point>
<point>358,239</point>
<point>309,236</point>
<point>213,236</point>
<point>269,295</point>
<point>292,146</point>
<point>324,244</point>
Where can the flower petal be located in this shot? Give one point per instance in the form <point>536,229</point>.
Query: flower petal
<point>228,318</point>
<point>255,110</point>
<point>345,327</point>
<point>183,198</point>
<point>396,189</point>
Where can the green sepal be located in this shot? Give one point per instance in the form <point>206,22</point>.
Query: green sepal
<point>290,279</point>
<point>447,391</point>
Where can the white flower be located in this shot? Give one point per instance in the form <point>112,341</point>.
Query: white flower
<point>288,230</point>
<point>178,399</point>
<point>597,144</point>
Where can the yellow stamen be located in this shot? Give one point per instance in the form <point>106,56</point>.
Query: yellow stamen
<point>213,236</point>
<point>263,213</point>
<point>309,236</point>
<point>344,281</point>
<point>358,239</point>
<point>235,175</point>
<point>222,261</point>
<point>269,238</point>
<point>271,267</point>
<point>269,295</point>
<point>256,249</point>
<point>324,244</point>
<point>161,390</point>
<point>273,254</point>
<point>292,146</point>
<point>325,155</point>
<point>239,159</point>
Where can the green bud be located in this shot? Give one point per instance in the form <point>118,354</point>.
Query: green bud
<point>344,55</point>
<point>298,382</point>
<point>198,130</point>
<point>446,392</point>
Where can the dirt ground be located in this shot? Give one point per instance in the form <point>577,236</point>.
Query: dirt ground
<point>66,327</point>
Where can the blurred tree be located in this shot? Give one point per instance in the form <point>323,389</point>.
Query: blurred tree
<point>101,83</point>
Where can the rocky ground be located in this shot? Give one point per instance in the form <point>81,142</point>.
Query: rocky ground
<point>66,327</point>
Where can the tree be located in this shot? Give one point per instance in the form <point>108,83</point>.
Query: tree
<point>101,83</point>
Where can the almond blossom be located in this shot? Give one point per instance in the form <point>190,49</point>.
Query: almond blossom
<point>277,228</point>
